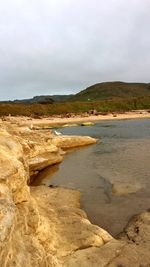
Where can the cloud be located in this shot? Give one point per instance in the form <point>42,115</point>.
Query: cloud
<point>62,46</point>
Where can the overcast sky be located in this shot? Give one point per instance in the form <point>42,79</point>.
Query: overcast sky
<point>62,46</point>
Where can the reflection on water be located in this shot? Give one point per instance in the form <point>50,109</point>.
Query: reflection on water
<point>113,175</point>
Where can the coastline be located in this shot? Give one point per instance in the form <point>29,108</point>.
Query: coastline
<point>78,119</point>
<point>45,226</point>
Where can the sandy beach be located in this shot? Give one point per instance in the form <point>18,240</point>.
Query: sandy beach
<point>75,119</point>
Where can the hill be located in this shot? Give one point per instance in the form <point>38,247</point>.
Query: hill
<point>42,99</point>
<point>61,98</point>
<point>111,90</point>
<point>34,100</point>
<point>96,92</point>
<point>101,97</point>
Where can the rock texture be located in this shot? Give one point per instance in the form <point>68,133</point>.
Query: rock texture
<point>45,227</point>
<point>39,226</point>
<point>66,142</point>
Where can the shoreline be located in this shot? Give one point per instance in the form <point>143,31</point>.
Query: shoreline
<point>60,121</point>
<point>43,226</point>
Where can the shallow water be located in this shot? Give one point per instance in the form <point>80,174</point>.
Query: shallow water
<point>113,175</point>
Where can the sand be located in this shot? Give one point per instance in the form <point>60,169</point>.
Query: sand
<point>84,118</point>
<point>75,120</point>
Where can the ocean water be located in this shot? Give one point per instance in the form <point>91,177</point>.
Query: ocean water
<point>113,176</point>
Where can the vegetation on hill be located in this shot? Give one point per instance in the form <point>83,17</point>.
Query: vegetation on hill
<point>61,98</point>
<point>36,99</point>
<point>99,91</point>
<point>113,105</point>
<point>101,97</point>
<point>110,90</point>
<point>42,99</point>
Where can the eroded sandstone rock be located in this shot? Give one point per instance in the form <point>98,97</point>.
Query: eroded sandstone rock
<point>66,142</point>
<point>45,227</point>
<point>42,227</point>
<point>13,167</point>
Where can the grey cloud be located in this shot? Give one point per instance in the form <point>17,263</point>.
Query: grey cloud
<point>62,46</point>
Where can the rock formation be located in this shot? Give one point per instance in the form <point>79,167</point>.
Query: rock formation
<point>67,142</point>
<point>45,227</point>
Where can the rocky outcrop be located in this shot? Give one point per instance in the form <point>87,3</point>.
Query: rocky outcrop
<point>45,227</point>
<point>66,142</point>
<point>39,226</point>
<point>13,168</point>
<point>131,248</point>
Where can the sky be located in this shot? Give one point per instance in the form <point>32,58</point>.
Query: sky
<point>62,46</point>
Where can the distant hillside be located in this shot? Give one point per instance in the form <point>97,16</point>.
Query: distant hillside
<point>100,91</point>
<point>61,98</point>
<point>42,99</point>
<point>111,90</point>
<point>34,100</point>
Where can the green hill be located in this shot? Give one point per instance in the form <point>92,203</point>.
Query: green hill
<point>101,97</point>
<point>111,90</point>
